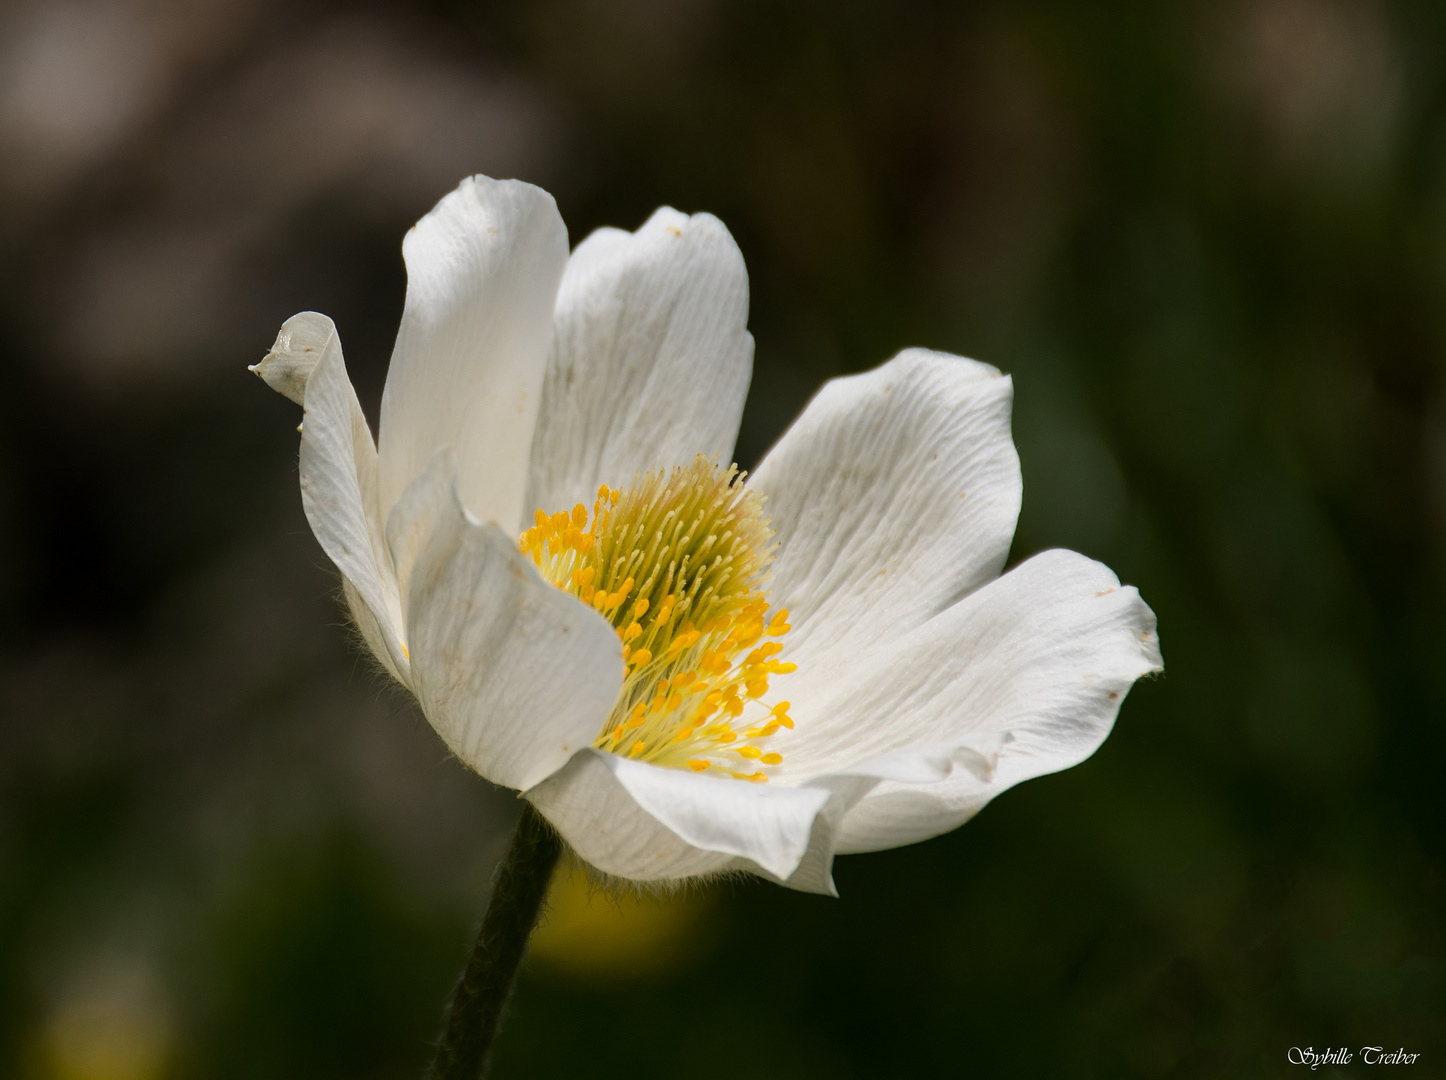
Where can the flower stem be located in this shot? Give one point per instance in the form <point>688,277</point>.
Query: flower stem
<point>480,996</point>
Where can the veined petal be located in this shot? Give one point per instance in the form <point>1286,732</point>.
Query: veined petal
<point>1021,678</point>
<point>928,762</point>
<point>482,276</point>
<point>515,675</point>
<point>647,823</point>
<point>339,476</point>
<point>417,515</point>
<point>650,359</point>
<point>895,493</point>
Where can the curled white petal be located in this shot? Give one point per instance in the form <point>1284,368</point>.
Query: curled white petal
<point>651,357</point>
<point>895,493</point>
<point>515,675</point>
<point>482,274</point>
<point>339,476</point>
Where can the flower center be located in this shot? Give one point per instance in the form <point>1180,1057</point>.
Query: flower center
<point>675,563</point>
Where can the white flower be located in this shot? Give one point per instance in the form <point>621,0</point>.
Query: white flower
<point>621,668</point>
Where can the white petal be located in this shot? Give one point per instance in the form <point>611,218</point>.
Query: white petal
<point>647,823</point>
<point>650,359</point>
<point>482,276</point>
<point>339,476</point>
<point>895,493</point>
<point>1024,676</point>
<point>417,515</point>
<point>515,675</point>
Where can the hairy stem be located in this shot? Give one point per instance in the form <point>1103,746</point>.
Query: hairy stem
<point>480,996</point>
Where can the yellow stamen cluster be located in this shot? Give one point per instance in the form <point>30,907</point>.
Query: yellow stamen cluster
<point>676,564</point>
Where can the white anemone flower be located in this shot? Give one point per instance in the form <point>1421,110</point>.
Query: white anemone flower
<point>697,675</point>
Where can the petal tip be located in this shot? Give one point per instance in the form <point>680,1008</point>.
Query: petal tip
<point>300,344</point>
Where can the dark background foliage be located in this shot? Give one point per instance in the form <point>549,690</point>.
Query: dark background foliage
<point>1207,239</point>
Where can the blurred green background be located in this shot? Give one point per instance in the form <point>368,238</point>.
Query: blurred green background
<point>1208,240</point>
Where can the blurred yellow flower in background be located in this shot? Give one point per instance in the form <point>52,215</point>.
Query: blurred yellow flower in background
<point>113,1026</point>
<point>588,935</point>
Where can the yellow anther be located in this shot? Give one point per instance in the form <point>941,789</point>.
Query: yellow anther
<point>758,778</point>
<point>771,759</point>
<point>684,641</point>
<point>640,608</point>
<point>638,748</point>
<point>602,493</point>
<point>779,624</point>
<point>540,519</point>
<point>697,766</point>
<point>762,653</point>
<point>641,658</point>
<point>684,735</point>
<point>749,751</point>
<point>634,630</point>
<point>674,700</point>
<point>579,515</point>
